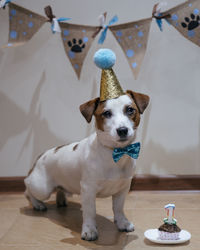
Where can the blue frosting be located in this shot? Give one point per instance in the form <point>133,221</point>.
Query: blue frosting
<point>104,58</point>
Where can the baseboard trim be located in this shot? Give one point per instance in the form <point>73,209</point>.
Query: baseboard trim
<point>166,182</point>
<point>12,184</point>
<point>140,182</point>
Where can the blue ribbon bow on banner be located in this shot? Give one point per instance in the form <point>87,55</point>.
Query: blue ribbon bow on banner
<point>160,23</point>
<point>3,3</point>
<point>55,24</point>
<point>104,32</point>
<point>132,150</point>
<point>55,27</point>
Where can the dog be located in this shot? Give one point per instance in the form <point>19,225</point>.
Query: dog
<point>87,167</point>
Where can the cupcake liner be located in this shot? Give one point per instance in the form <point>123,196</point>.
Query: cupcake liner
<point>168,236</point>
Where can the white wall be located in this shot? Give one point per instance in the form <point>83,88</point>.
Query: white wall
<point>40,94</point>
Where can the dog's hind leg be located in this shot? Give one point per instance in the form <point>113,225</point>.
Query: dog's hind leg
<point>61,200</point>
<point>39,187</point>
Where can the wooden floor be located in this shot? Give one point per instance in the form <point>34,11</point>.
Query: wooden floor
<point>59,228</point>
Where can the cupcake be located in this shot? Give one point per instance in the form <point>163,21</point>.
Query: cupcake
<point>169,230</point>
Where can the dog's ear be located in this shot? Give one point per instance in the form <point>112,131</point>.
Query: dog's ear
<point>140,100</point>
<point>87,109</point>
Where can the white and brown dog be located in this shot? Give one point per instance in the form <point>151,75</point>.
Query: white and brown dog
<point>87,167</point>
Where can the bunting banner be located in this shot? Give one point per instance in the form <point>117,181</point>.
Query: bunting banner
<point>133,38</point>
<point>186,19</point>
<point>23,24</point>
<point>77,40</point>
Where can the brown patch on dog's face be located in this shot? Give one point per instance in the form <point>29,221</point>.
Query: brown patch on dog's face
<point>99,116</point>
<point>141,100</point>
<point>133,113</point>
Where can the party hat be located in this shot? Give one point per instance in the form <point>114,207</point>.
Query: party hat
<point>110,86</point>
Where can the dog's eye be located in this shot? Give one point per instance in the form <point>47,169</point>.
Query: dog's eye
<point>107,114</point>
<point>129,110</point>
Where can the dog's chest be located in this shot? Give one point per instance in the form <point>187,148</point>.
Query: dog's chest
<point>108,187</point>
<point>120,170</point>
<point>115,178</point>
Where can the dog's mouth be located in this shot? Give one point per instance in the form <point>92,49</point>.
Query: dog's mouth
<point>122,142</point>
<point>123,139</point>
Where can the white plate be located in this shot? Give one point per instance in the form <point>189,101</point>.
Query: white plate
<point>152,235</point>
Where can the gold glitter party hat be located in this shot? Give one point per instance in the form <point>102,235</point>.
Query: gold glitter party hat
<point>110,86</point>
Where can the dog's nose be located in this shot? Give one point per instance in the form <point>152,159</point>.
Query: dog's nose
<point>122,131</point>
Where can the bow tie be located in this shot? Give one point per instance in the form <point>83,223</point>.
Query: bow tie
<point>132,150</point>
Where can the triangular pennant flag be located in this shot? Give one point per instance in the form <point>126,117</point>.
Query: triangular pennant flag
<point>186,19</point>
<point>77,40</point>
<point>23,24</point>
<point>133,38</point>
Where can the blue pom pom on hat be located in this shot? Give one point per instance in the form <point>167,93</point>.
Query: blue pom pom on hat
<point>110,86</point>
<point>104,58</point>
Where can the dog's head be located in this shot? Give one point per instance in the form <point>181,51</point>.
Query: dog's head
<point>116,119</point>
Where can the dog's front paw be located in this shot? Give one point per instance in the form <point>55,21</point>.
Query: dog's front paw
<point>124,225</point>
<point>89,233</point>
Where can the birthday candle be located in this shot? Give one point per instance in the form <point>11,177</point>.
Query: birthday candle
<point>170,212</point>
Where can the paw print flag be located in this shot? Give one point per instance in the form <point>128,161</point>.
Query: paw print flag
<point>77,40</point>
<point>186,19</point>
<point>133,38</point>
<point>23,24</point>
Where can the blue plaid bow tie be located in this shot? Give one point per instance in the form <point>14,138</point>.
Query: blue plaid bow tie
<point>132,150</point>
